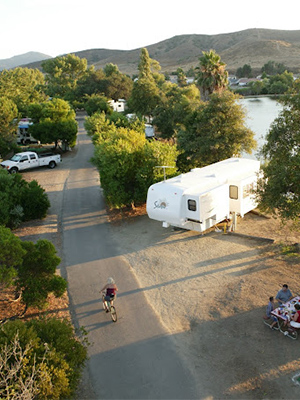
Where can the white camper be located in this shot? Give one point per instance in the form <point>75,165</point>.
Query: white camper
<point>205,196</point>
<point>23,136</point>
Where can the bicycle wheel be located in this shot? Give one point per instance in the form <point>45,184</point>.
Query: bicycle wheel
<point>113,313</point>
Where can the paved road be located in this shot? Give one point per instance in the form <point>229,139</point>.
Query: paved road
<point>134,358</point>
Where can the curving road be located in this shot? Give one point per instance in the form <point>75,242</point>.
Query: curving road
<point>134,358</point>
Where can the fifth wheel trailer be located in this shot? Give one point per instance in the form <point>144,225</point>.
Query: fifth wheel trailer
<point>205,196</point>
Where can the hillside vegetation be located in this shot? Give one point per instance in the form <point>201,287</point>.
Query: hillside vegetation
<point>252,46</point>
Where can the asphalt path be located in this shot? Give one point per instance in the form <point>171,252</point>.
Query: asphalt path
<point>134,358</point>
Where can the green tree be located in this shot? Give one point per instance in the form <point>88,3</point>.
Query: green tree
<point>244,72</point>
<point>126,162</point>
<point>269,68</point>
<point>23,86</point>
<point>62,75</point>
<point>214,132</point>
<point>34,201</point>
<point>212,75</point>
<point>93,82</point>
<point>279,190</point>
<point>8,115</point>
<point>54,121</point>
<point>20,200</point>
<point>175,106</point>
<point>97,103</point>
<point>109,82</point>
<point>281,83</point>
<point>100,125</point>
<point>257,87</point>
<point>11,255</point>
<point>145,95</point>
<point>40,359</point>
<point>181,77</point>
<point>272,68</point>
<point>110,69</point>
<point>119,86</point>
<point>37,276</point>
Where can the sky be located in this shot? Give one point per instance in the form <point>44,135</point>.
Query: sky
<point>57,27</point>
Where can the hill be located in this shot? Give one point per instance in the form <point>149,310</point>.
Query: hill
<point>252,46</point>
<point>22,60</point>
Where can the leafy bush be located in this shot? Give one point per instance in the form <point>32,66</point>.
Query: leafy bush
<point>127,165</point>
<point>36,275</point>
<point>40,359</point>
<point>35,201</point>
<point>11,255</point>
<point>20,200</point>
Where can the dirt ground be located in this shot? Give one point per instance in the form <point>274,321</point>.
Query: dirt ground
<point>210,292</point>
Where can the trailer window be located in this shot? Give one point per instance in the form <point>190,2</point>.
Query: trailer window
<point>192,205</point>
<point>233,192</point>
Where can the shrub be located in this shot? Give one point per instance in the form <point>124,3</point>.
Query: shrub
<point>20,200</point>
<point>40,359</point>
<point>36,276</point>
<point>11,255</point>
<point>35,201</point>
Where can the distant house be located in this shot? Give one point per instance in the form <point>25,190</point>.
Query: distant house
<point>246,81</point>
<point>118,106</point>
<point>174,79</point>
<point>233,80</point>
<point>190,80</point>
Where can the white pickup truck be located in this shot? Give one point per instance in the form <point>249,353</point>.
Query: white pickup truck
<point>29,159</point>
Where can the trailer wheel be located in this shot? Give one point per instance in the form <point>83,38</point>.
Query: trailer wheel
<point>52,164</point>
<point>13,170</point>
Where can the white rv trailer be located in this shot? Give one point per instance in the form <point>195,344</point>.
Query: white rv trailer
<point>205,196</point>
<point>23,136</point>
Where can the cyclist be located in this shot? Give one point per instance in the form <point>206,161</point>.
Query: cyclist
<point>110,290</point>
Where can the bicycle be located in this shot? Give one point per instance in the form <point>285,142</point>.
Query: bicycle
<point>108,306</point>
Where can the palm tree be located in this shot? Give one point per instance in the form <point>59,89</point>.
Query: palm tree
<point>212,76</point>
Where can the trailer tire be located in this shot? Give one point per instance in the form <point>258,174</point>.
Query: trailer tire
<point>13,170</point>
<point>52,164</point>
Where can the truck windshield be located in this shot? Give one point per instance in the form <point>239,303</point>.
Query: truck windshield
<point>16,158</point>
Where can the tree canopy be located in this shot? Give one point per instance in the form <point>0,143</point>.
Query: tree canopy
<point>8,116</point>
<point>37,276</point>
<point>40,358</point>
<point>11,255</point>
<point>174,107</point>
<point>62,75</point>
<point>20,200</point>
<point>215,131</point>
<point>279,190</point>
<point>126,160</point>
<point>23,86</point>
<point>212,75</point>
<point>145,93</point>
<point>54,121</point>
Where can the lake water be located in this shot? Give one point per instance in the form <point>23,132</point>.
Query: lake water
<point>261,112</point>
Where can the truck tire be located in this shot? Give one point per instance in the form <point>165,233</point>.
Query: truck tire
<point>13,170</point>
<point>52,164</point>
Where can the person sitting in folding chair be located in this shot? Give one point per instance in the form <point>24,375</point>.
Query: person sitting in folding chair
<point>295,321</point>
<point>269,316</point>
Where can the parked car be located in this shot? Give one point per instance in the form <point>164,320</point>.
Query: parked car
<point>30,159</point>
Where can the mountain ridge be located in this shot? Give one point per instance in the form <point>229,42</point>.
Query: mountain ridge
<point>22,59</point>
<point>254,46</point>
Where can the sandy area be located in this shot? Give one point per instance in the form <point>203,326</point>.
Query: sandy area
<point>210,292</point>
